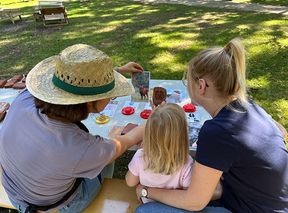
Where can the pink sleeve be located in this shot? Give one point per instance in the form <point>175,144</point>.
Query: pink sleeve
<point>186,173</point>
<point>134,165</point>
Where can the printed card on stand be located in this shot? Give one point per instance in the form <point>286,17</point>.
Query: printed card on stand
<point>140,82</point>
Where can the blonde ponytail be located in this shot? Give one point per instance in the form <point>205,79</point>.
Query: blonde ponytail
<point>237,53</point>
<point>225,67</point>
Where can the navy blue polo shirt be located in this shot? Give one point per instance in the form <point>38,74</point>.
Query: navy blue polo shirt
<point>248,147</point>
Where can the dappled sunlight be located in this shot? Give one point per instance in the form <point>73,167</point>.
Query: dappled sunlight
<point>270,23</point>
<point>17,67</point>
<point>87,29</point>
<point>126,8</point>
<point>6,42</point>
<point>10,4</point>
<point>260,82</point>
<point>178,40</point>
<point>168,60</point>
<point>118,22</point>
<point>282,110</point>
<point>82,15</point>
<point>283,41</point>
<point>244,27</point>
<point>278,109</point>
<point>106,29</point>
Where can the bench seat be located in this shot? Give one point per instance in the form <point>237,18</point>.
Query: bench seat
<point>115,196</point>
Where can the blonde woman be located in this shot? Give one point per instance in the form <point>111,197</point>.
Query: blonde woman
<point>241,143</point>
<point>164,161</point>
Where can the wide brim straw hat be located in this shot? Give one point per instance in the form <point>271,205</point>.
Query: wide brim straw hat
<point>79,74</point>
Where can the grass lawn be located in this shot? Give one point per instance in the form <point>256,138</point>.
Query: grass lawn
<point>163,38</point>
<point>270,2</point>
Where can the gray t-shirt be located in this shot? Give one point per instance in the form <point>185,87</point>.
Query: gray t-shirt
<point>41,158</point>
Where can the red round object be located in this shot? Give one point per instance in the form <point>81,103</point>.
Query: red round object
<point>189,108</point>
<point>145,113</point>
<point>128,110</point>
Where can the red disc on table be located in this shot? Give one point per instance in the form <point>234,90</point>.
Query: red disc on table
<point>189,108</point>
<point>128,110</point>
<point>145,113</point>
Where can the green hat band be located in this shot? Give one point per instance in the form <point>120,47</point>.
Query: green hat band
<point>82,90</point>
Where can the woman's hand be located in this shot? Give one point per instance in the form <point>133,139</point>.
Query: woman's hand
<point>124,142</point>
<point>138,191</point>
<point>115,131</point>
<point>130,67</point>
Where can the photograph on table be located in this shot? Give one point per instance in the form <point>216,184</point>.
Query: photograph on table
<point>140,82</point>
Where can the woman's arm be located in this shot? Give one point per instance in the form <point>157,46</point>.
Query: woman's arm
<point>204,181</point>
<point>131,179</point>
<point>130,67</point>
<point>124,142</point>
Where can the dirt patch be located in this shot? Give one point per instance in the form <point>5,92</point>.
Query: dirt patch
<point>41,30</point>
<point>19,25</point>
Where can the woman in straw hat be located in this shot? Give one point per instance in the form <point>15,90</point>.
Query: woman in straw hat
<point>241,143</point>
<point>49,159</point>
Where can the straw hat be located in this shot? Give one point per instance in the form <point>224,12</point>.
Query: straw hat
<point>81,73</point>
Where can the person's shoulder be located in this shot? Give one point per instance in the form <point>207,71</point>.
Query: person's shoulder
<point>189,163</point>
<point>214,126</point>
<point>216,133</point>
<point>139,153</point>
<point>23,95</point>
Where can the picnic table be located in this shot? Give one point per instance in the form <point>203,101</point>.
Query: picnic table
<point>51,12</point>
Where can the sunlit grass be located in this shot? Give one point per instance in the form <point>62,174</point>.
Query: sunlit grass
<point>17,3</point>
<point>258,83</point>
<point>271,2</point>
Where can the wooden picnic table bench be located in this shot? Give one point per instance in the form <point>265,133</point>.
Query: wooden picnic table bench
<point>54,16</point>
<point>51,12</point>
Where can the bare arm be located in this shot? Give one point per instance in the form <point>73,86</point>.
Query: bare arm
<point>124,142</point>
<point>204,181</point>
<point>130,67</point>
<point>131,179</point>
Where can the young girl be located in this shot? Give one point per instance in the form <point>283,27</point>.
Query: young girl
<point>164,161</point>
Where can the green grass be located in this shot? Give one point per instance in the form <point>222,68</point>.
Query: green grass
<point>163,38</point>
<point>269,2</point>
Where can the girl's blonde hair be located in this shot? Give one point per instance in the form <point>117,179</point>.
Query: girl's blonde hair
<point>166,144</point>
<point>225,67</point>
